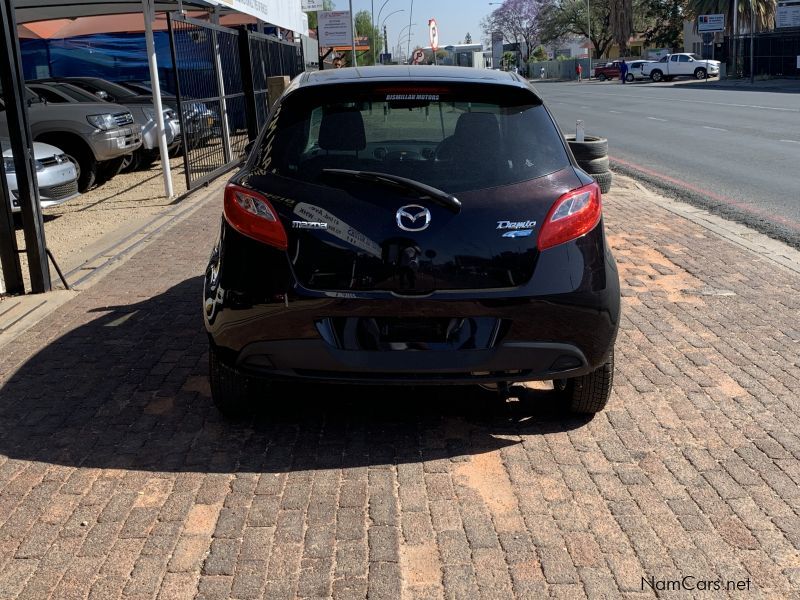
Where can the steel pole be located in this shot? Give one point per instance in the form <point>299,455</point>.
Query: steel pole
<point>149,16</point>
<point>372,18</point>
<point>353,23</point>
<point>410,16</point>
<point>752,38</point>
<point>735,33</point>
<point>377,21</point>
<point>19,132</point>
<point>589,33</point>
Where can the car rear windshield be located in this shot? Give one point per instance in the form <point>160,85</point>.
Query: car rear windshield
<point>452,137</point>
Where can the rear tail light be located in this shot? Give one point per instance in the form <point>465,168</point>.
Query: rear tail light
<point>573,215</point>
<point>251,214</point>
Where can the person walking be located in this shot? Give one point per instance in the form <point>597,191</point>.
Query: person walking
<point>579,72</point>
<point>541,73</point>
<point>623,70</point>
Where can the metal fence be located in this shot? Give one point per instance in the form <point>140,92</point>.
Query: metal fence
<point>560,69</point>
<point>221,78</point>
<point>209,92</point>
<point>775,54</point>
<point>264,56</point>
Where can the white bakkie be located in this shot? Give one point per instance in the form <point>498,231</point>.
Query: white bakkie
<point>682,64</point>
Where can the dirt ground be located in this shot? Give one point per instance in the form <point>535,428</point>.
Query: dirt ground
<point>77,224</point>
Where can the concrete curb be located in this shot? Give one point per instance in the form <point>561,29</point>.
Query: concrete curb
<point>760,244</point>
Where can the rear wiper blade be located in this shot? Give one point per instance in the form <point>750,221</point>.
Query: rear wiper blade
<point>439,196</point>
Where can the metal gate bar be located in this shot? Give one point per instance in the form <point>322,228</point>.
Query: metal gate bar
<point>221,85</point>
<point>208,87</point>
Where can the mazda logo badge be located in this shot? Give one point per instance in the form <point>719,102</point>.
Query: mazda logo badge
<point>413,217</point>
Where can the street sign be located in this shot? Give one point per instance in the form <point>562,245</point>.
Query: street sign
<point>362,45</point>
<point>433,31</point>
<point>311,5</point>
<point>787,14</point>
<point>386,59</point>
<point>335,28</point>
<point>710,23</point>
<point>418,56</point>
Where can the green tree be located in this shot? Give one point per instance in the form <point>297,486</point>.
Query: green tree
<point>375,39</point>
<point>509,60</point>
<point>468,38</point>
<point>539,54</point>
<point>568,18</point>
<point>312,16</point>
<point>520,22</point>
<point>661,22</point>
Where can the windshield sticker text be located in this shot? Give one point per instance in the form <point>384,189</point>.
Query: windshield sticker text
<point>426,97</point>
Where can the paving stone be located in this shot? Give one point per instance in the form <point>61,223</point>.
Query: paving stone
<point>119,479</point>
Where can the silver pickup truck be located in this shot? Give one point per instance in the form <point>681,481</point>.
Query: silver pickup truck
<point>95,137</point>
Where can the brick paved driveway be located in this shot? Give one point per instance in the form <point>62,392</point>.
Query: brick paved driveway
<point>118,479</point>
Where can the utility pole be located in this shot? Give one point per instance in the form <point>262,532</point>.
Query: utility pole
<point>410,16</point>
<point>752,37</point>
<point>735,33</point>
<point>353,24</point>
<point>385,41</point>
<point>589,31</point>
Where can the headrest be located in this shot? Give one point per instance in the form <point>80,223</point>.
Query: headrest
<point>342,129</point>
<point>477,127</point>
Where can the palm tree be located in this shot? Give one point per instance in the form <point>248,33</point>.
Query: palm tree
<point>763,12</point>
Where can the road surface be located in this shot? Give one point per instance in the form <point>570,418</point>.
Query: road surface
<point>735,151</point>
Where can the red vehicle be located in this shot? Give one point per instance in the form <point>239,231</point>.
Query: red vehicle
<point>610,70</point>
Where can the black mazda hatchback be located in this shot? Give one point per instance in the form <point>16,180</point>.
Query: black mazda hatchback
<point>411,225</point>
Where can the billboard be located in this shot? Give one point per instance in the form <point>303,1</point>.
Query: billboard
<point>787,14</point>
<point>710,23</point>
<point>283,13</point>
<point>335,28</point>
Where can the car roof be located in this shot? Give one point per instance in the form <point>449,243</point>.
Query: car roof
<point>411,73</point>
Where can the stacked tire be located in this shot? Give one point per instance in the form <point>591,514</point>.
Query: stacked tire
<point>592,157</point>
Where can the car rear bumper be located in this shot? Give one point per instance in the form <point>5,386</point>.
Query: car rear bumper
<point>316,360</point>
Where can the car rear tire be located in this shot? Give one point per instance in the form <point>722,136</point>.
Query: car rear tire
<point>596,165</point>
<point>604,180</point>
<point>602,77</point>
<point>656,75</point>
<point>231,391</point>
<point>700,73</point>
<point>587,394</point>
<point>629,77</point>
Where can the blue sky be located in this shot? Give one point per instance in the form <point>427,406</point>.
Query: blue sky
<point>454,17</point>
